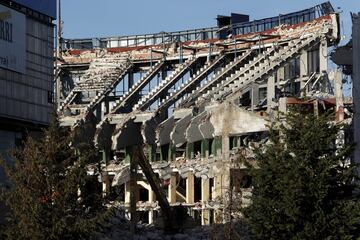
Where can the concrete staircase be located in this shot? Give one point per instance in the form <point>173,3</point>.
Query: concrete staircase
<point>192,82</point>
<point>244,71</point>
<point>101,78</point>
<point>224,71</point>
<point>165,84</point>
<point>137,87</point>
<point>261,68</point>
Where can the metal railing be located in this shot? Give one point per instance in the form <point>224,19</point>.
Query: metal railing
<point>200,34</point>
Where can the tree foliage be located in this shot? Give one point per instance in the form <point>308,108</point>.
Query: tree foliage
<point>51,195</point>
<point>304,185</point>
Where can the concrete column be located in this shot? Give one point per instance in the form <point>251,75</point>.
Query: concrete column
<point>205,193</point>
<point>323,56</point>
<point>190,188</point>
<point>218,194</point>
<point>127,192</point>
<point>303,69</point>
<point>270,92</point>
<point>205,148</point>
<point>172,189</point>
<point>131,79</point>
<point>134,191</point>
<point>283,105</point>
<point>151,200</point>
<point>338,86</point>
<point>105,184</point>
<point>225,146</point>
<point>323,63</point>
<point>103,110</point>
<point>280,75</point>
<point>254,95</point>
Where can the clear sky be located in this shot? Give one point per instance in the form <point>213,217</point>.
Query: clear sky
<point>94,18</point>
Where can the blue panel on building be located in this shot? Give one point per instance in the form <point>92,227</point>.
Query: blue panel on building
<point>47,7</point>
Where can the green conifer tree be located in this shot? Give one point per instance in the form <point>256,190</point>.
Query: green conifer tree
<point>304,185</point>
<point>52,197</point>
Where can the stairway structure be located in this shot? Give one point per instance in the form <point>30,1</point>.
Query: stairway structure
<point>101,78</point>
<point>195,123</point>
<point>165,84</point>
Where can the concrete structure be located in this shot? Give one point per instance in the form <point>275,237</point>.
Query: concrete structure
<point>356,81</point>
<point>195,103</point>
<point>26,69</point>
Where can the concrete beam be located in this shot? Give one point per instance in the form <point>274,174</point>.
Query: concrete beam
<point>178,134</point>
<point>127,133</point>
<point>164,130</point>
<point>193,133</point>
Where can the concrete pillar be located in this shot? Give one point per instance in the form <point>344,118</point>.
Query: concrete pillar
<point>217,192</point>
<point>218,145</point>
<point>270,92</point>
<point>127,192</point>
<point>280,75</point>
<point>303,69</point>
<point>131,79</point>
<point>254,95</point>
<point>190,150</point>
<point>225,146</point>
<point>323,54</point>
<point>283,105</point>
<point>105,184</point>
<point>190,188</point>
<point>172,189</point>
<point>205,194</point>
<point>133,190</point>
<point>338,86</point>
<point>205,148</point>
<point>103,110</point>
<point>151,200</point>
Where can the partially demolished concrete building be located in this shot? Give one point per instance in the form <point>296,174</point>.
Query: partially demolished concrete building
<point>195,102</point>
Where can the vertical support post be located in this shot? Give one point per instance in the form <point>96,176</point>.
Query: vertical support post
<point>339,95</point>
<point>172,189</point>
<point>205,148</point>
<point>205,194</point>
<point>225,146</point>
<point>151,200</point>
<point>210,52</point>
<point>133,191</point>
<point>304,75</point>
<point>190,150</point>
<point>270,95</point>
<point>254,96</point>
<point>131,79</point>
<point>181,59</point>
<point>190,188</point>
<point>323,54</point>
<point>127,193</point>
<point>151,57</point>
<point>217,194</point>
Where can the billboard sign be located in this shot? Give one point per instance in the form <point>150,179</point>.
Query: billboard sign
<point>47,7</point>
<point>12,39</point>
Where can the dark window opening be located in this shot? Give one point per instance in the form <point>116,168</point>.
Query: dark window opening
<point>245,99</point>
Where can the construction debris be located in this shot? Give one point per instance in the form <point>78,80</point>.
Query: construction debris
<point>193,110</point>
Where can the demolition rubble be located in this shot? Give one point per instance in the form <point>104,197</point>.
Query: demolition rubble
<point>174,114</point>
